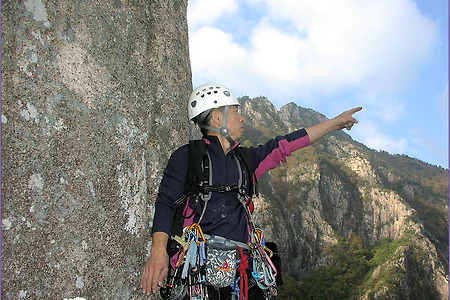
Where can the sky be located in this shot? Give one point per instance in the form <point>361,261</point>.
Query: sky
<point>388,56</point>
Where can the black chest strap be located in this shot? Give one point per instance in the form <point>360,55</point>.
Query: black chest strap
<point>199,176</point>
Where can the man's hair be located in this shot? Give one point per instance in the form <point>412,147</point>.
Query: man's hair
<point>207,119</point>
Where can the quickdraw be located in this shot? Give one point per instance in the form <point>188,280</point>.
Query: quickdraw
<point>264,271</point>
<point>188,276</point>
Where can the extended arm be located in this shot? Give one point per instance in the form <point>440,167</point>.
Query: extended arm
<point>344,120</point>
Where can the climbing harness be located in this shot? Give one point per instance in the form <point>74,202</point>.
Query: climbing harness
<point>198,259</point>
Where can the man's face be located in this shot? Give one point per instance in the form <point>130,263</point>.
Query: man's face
<point>235,123</point>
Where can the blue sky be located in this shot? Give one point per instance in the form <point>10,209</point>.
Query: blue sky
<point>389,56</point>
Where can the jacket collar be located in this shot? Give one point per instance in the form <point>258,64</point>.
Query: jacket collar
<point>213,141</point>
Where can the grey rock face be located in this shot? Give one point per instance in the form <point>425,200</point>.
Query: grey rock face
<point>93,103</point>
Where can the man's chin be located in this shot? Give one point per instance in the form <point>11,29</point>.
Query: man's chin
<point>239,136</point>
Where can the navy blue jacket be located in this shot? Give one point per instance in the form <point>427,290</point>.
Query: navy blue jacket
<point>224,214</point>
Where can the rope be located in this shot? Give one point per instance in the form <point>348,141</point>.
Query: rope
<point>242,272</point>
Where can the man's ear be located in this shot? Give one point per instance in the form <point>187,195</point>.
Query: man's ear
<point>216,118</point>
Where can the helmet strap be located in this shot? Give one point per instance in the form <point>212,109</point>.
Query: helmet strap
<point>223,130</point>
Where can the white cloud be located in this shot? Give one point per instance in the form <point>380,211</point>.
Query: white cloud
<point>385,108</point>
<point>373,136</point>
<point>207,11</point>
<point>216,56</point>
<point>303,48</point>
<point>268,43</point>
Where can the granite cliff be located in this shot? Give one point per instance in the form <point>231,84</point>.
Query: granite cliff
<point>93,103</point>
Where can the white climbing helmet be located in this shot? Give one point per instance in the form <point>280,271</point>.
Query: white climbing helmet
<point>207,97</point>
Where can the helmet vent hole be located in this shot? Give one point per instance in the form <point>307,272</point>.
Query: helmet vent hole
<point>215,92</point>
<point>215,101</point>
<point>209,93</point>
<point>226,93</point>
<point>193,103</point>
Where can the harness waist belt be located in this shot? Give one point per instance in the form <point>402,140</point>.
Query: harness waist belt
<point>216,237</point>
